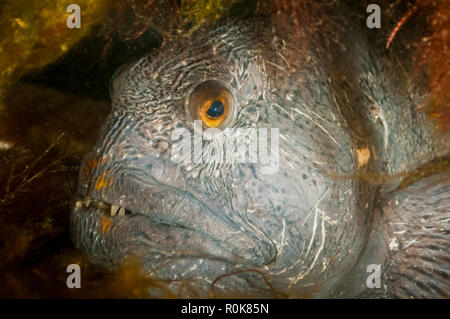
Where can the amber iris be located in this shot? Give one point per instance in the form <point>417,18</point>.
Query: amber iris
<point>211,102</point>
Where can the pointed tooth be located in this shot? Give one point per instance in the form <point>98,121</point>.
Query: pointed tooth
<point>78,204</point>
<point>88,202</point>
<point>121,212</point>
<point>114,210</point>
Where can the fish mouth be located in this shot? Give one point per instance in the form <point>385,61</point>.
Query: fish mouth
<point>171,254</point>
<point>108,231</point>
<point>106,222</point>
<point>108,210</point>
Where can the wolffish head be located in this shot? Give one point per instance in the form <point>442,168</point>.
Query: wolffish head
<point>164,182</point>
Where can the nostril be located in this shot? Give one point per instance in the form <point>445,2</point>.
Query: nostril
<point>162,145</point>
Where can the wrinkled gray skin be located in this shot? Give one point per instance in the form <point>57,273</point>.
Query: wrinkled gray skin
<point>308,230</point>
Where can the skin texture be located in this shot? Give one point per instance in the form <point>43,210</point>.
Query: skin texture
<point>307,230</point>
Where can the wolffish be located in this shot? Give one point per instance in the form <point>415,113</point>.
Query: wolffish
<point>318,226</point>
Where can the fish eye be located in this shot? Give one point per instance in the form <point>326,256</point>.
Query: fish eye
<point>212,103</point>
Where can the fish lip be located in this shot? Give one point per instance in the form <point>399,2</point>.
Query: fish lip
<point>264,255</point>
<point>98,215</point>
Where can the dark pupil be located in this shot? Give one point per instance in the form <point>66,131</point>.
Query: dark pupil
<point>216,109</point>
